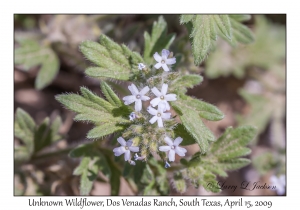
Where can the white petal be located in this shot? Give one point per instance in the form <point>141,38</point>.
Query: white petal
<point>154,102</point>
<point>180,151</point>
<point>165,53</point>
<point>119,151</point>
<point>170,97</point>
<point>133,89</point>
<point>166,115</point>
<point>127,155</point>
<point>160,122</point>
<point>145,98</point>
<point>161,107</point>
<point>156,92</point>
<point>164,148</point>
<point>177,141</point>
<point>171,61</point>
<point>164,89</point>
<point>165,67</point>
<point>157,66</point>
<point>165,104</point>
<point>171,155</point>
<point>138,105</point>
<point>121,141</point>
<point>151,110</point>
<point>134,149</point>
<point>141,66</point>
<point>144,90</point>
<point>169,141</point>
<point>157,57</point>
<point>153,119</point>
<point>129,143</point>
<point>129,99</point>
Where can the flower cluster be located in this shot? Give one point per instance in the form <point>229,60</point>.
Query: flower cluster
<point>161,101</point>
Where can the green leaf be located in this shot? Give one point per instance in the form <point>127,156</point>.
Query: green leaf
<point>110,95</point>
<point>92,108</point>
<point>31,54</point>
<point>241,33</point>
<point>112,60</point>
<point>186,81</point>
<point>42,136</point>
<point>87,94</point>
<point>158,40</point>
<point>223,154</point>
<point>224,25</point>
<point>55,125</point>
<point>103,130</point>
<point>24,128</point>
<point>233,139</point>
<point>190,111</point>
<point>92,162</point>
<point>188,139</point>
<point>255,117</point>
<point>186,18</point>
<point>205,110</point>
<point>206,28</point>
<point>193,124</point>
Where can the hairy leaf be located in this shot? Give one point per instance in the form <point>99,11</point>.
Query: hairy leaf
<point>158,40</point>
<point>193,124</point>
<point>92,108</point>
<point>110,95</point>
<point>206,28</point>
<point>186,81</point>
<point>223,154</point>
<point>92,162</point>
<point>112,60</point>
<point>24,128</point>
<point>31,54</point>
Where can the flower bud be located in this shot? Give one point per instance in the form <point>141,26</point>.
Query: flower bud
<point>137,129</point>
<point>136,141</point>
<point>179,185</point>
<point>153,146</point>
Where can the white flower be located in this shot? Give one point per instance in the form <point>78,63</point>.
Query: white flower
<point>163,60</point>
<point>173,148</point>
<point>279,182</point>
<point>162,97</point>
<point>132,116</point>
<point>137,97</point>
<point>125,148</point>
<point>141,66</point>
<point>158,115</point>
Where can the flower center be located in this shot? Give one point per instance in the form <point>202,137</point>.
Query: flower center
<point>138,96</point>
<point>172,147</point>
<point>162,61</point>
<point>162,97</point>
<point>126,148</point>
<point>158,114</point>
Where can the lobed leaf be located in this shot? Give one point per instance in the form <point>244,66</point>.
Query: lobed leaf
<point>112,60</point>
<point>194,125</point>
<point>110,95</point>
<point>24,128</point>
<point>186,81</point>
<point>31,54</point>
<point>206,29</point>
